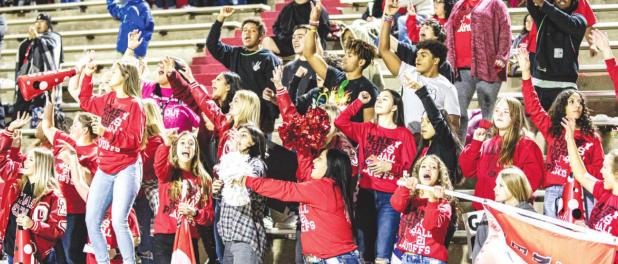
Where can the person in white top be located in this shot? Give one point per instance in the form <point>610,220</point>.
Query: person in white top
<point>430,55</point>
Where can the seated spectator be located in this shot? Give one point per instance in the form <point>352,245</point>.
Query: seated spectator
<point>479,50</point>
<point>431,54</point>
<point>40,52</point>
<point>292,15</point>
<point>442,10</point>
<point>133,14</point>
<point>253,64</point>
<point>601,41</point>
<point>560,34</point>
<point>430,30</point>
<point>350,82</point>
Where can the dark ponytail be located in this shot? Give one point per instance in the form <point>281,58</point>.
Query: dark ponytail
<point>340,170</point>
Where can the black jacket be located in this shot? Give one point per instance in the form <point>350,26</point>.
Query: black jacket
<point>294,14</point>
<point>560,33</point>
<point>443,144</point>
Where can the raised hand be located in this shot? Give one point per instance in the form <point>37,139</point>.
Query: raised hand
<point>90,68</point>
<point>16,138</point>
<point>20,121</point>
<point>168,65</point>
<point>134,39</point>
<point>601,41</point>
<point>98,128</point>
<point>524,63</point>
<point>364,97</point>
<point>316,10</point>
<point>391,7</point>
<point>277,76</point>
<point>169,135</point>
<point>226,11</point>
<point>84,60</point>
<point>480,134</point>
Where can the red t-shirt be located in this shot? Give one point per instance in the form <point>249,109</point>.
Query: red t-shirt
<point>110,237</point>
<point>423,225</point>
<point>148,157</point>
<point>463,42</point>
<point>414,28</point>
<point>87,157</point>
<point>583,8</point>
<point>604,215</point>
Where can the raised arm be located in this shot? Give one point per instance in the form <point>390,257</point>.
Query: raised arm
<point>317,63</point>
<point>351,129</point>
<point>87,101</point>
<point>163,168</point>
<point>113,9</point>
<point>573,24</point>
<point>306,192</point>
<point>578,168</point>
<point>47,124</point>
<point>601,41</point>
<point>9,168</point>
<point>471,154</point>
<point>539,117</point>
<point>219,50</point>
<point>208,106</point>
<point>392,62</point>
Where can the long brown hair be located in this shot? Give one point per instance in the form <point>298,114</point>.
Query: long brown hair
<point>196,169</point>
<point>42,173</point>
<point>517,183</point>
<point>514,132</point>
<point>443,179</point>
<point>131,75</point>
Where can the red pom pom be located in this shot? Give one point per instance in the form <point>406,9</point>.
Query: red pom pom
<point>306,133</point>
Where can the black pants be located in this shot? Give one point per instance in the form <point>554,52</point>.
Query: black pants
<point>548,95</point>
<point>207,233</point>
<point>163,246</point>
<point>74,239</point>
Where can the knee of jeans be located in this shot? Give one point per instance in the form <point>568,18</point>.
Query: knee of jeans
<point>120,222</point>
<point>382,261</point>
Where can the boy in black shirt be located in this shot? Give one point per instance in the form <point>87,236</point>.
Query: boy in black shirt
<point>253,64</point>
<point>350,81</point>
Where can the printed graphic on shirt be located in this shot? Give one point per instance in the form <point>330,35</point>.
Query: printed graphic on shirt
<point>305,224</point>
<point>605,219</point>
<point>112,120</point>
<point>256,65</point>
<point>414,237</point>
<point>63,172</point>
<point>465,24</point>
<point>192,199</point>
<point>22,205</point>
<point>387,149</point>
<point>561,165</point>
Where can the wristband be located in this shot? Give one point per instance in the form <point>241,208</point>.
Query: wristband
<point>314,23</point>
<point>388,18</point>
<point>313,30</point>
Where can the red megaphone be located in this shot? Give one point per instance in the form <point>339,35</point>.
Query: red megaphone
<point>572,202</point>
<point>32,85</point>
<point>24,248</point>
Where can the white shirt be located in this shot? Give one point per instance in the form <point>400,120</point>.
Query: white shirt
<point>440,89</point>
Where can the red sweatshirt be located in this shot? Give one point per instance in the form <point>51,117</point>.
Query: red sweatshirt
<point>480,160</point>
<point>557,166</point>
<point>222,123</point>
<point>423,225</point>
<point>110,237</point>
<point>326,230</point>
<point>148,155</point>
<point>604,215</point>
<point>612,69</point>
<point>87,156</point>
<point>48,213</point>
<point>124,121</point>
<point>393,145</point>
<point>414,28</point>
<point>167,217</point>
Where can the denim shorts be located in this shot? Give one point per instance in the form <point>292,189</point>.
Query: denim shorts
<point>419,259</point>
<point>347,258</point>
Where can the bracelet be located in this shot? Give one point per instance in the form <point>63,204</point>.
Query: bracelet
<point>313,30</point>
<point>314,23</point>
<point>388,18</point>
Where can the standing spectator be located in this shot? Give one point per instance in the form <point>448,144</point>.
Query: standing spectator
<point>521,41</point>
<point>133,14</point>
<point>601,41</point>
<point>362,30</point>
<point>253,64</point>
<point>40,52</point>
<point>420,9</point>
<point>560,35</point>
<point>350,82</point>
<point>442,10</point>
<point>431,54</point>
<point>293,14</point>
<point>298,69</point>
<point>479,50</point>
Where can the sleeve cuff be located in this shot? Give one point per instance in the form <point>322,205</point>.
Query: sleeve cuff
<point>422,92</point>
<point>610,63</point>
<point>194,84</point>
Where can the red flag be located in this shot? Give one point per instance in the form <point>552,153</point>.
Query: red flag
<point>24,248</point>
<point>183,245</point>
<point>519,236</point>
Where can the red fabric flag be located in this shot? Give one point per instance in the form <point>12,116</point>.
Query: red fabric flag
<point>183,246</point>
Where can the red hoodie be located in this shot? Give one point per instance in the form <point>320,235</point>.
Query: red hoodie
<point>604,215</point>
<point>394,145</point>
<point>612,69</point>
<point>124,121</point>
<point>87,156</point>
<point>414,28</point>
<point>148,155</point>
<point>557,166</point>
<point>167,217</point>
<point>49,212</point>
<point>325,226</point>
<point>110,237</point>
<point>423,225</point>
<point>480,160</point>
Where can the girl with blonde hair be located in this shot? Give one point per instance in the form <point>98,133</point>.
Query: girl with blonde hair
<point>121,132</point>
<point>31,198</point>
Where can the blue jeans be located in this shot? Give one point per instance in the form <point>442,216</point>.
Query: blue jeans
<point>120,191</point>
<point>347,258</point>
<point>418,259</point>
<point>74,239</point>
<point>552,205</point>
<point>144,213</point>
<point>51,259</point>
<point>378,224</point>
<point>219,248</point>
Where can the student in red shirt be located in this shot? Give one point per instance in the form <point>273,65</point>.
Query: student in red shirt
<point>509,146</point>
<point>601,41</point>
<point>569,104</point>
<point>425,214</point>
<point>442,10</point>
<point>184,191</point>
<point>120,130</point>
<point>81,137</point>
<point>326,207</point>
<point>385,149</point>
<point>604,216</point>
<point>31,199</point>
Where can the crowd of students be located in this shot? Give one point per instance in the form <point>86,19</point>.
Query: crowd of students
<point>150,153</point>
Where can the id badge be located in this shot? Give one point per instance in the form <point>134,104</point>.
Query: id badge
<point>558,53</point>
